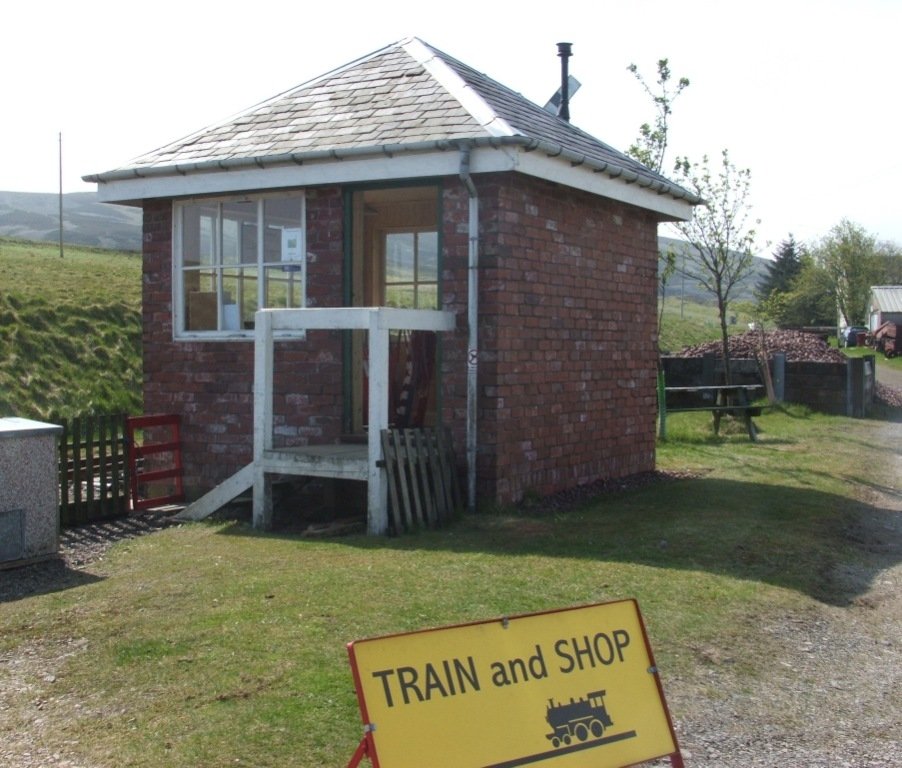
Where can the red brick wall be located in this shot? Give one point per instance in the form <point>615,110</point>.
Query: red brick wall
<point>211,383</point>
<point>567,336</point>
<point>567,342</point>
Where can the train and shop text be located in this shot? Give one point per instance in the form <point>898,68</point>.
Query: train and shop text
<point>463,675</point>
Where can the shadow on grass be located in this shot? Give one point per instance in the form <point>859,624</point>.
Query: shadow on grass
<point>824,545</point>
<point>41,578</point>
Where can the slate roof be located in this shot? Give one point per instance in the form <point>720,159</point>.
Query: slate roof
<point>406,96</point>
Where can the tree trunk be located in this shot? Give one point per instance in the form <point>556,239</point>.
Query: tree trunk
<point>725,340</point>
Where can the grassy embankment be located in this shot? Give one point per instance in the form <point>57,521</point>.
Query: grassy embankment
<point>70,331</point>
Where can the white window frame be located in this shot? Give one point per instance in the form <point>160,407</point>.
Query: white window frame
<point>297,259</point>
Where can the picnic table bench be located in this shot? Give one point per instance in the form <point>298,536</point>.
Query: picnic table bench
<point>719,399</point>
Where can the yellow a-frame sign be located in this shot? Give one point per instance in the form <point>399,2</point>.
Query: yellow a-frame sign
<point>562,688</point>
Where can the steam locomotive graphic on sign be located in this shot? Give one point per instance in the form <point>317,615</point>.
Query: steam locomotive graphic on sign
<point>578,720</point>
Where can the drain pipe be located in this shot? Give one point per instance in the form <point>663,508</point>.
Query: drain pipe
<point>472,324</point>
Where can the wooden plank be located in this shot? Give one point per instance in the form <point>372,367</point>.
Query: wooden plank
<point>77,479</point>
<point>447,452</point>
<point>401,458</point>
<point>442,468</point>
<point>349,318</point>
<point>420,469</point>
<point>391,472</point>
<point>102,479</point>
<point>90,469</point>
<point>219,496</point>
<point>151,449</point>
<point>64,472</point>
<point>435,476</point>
<point>117,459</point>
<point>290,462</point>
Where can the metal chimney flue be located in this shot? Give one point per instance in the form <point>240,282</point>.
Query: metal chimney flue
<point>564,50</point>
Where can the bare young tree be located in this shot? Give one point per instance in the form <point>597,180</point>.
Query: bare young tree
<point>651,146</point>
<point>721,240</point>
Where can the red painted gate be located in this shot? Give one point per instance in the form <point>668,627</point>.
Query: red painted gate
<point>155,460</point>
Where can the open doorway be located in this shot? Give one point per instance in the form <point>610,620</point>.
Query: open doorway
<point>395,263</point>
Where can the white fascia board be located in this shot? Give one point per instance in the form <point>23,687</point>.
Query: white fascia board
<point>583,177</point>
<point>313,174</point>
<point>418,165</point>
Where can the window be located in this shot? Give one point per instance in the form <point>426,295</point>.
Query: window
<point>411,270</point>
<point>233,256</point>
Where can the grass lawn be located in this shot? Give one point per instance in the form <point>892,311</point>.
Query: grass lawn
<point>686,323</point>
<point>212,645</point>
<point>894,363</point>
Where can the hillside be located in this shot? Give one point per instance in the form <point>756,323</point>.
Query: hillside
<point>35,216</point>
<point>70,331</point>
<point>687,285</point>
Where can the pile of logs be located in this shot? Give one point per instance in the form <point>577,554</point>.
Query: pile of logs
<point>797,346</point>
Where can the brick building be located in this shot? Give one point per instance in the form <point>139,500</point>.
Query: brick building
<point>407,179</point>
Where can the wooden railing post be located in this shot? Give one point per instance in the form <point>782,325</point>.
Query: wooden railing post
<point>377,508</point>
<point>263,418</point>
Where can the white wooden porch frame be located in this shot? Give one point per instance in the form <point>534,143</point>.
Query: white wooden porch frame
<point>378,321</point>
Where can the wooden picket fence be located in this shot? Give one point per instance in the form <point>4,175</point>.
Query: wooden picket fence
<point>93,469</point>
<point>423,489</point>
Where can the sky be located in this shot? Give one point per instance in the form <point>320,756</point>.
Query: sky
<point>805,95</point>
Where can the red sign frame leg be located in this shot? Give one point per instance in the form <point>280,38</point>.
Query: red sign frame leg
<point>363,750</point>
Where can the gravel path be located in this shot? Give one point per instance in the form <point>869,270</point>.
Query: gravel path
<point>834,697</point>
<point>889,377</point>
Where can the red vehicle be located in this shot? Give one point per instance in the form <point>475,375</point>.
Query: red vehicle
<point>886,339</point>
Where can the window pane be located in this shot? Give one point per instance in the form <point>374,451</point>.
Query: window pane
<point>239,233</point>
<point>427,296</point>
<point>400,296</point>
<point>247,296</point>
<point>399,252</point>
<point>283,236</point>
<point>239,298</point>
<point>427,256</point>
<point>201,311</point>
<point>198,242</point>
<point>285,286</point>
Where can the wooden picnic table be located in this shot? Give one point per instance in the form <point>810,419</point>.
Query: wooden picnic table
<point>733,399</point>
